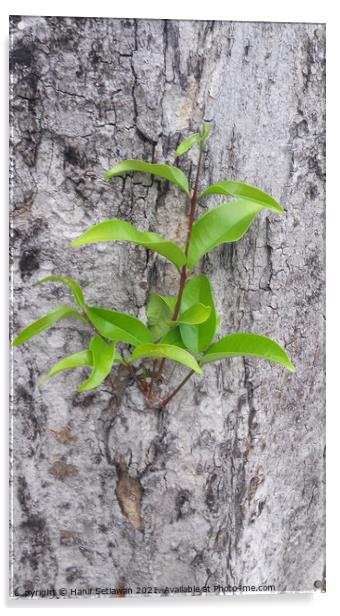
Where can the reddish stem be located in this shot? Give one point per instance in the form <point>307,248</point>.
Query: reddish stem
<point>164,402</point>
<point>136,378</point>
<point>184,271</point>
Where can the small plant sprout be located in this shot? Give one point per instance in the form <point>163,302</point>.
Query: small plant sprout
<point>180,328</point>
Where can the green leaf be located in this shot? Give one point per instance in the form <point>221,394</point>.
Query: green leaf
<point>45,322</point>
<point>170,301</point>
<point>173,337</point>
<point>196,314</point>
<point>188,143</point>
<point>218,324</point>
<point>123,231</point>
<point>245,191</point>
<point>84,358</point>
<point>167,351</point>
<point>74,286</point>
<point>225,223</point>
<point>103,357</point>
<point>167,172</point>
<point>197,338</point>
<point>161,308</point>
<point>158,312</point>
<point>236,345</point>
<point>206,130</point>
<point>119,326</point>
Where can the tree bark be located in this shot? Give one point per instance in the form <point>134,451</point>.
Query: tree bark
<point>225,486</point>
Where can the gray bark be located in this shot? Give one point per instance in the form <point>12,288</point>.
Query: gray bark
<point>226,486</point>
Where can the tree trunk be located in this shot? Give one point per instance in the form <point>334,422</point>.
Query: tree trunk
<point>225,486</point>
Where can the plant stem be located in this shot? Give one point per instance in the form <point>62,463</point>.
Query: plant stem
<point>184,271</point>
<point>135,377</point>
<point>164,402</point>
<point>171,374</point>
<point>154,369</point>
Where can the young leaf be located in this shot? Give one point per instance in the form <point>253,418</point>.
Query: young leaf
<point>245,191</point>
<point>158,312</point>
<point>103,357</point>
<point>84,358</point>
<point>196,314</point>
<point>170,301</point>
<point>188,143</point>
<point>45,322</point>
<point>167,351</point>
<point>167,172</point>
<point>173,337</point>
<point>74,286</point>
<point>119,326</point>
<point>236,345</point>
<point>225,223</point>
<point>197,338</point>
<point>206,130</point>
<point>124,231</point>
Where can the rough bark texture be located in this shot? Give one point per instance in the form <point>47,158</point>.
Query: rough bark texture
<point>226,485</point>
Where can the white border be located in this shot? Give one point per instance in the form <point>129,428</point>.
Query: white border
<point>245,10</point>
<point>288,11</point>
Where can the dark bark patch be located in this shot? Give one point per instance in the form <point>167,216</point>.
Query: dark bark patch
<point>24,395</point>
<point>210,496</point>
<point>221,540</point>
<point>83,401</point>
<point>72,573</point>
<point>29,262</point>
<point>74,158</point>
<point>95,53</point>
<point>260,507</point>
<point>103,529</point>
<point>22,54</point>
<point>23,494</point>
<point>246,52</point>
<point>182,504</point>
<point>34,523</point>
